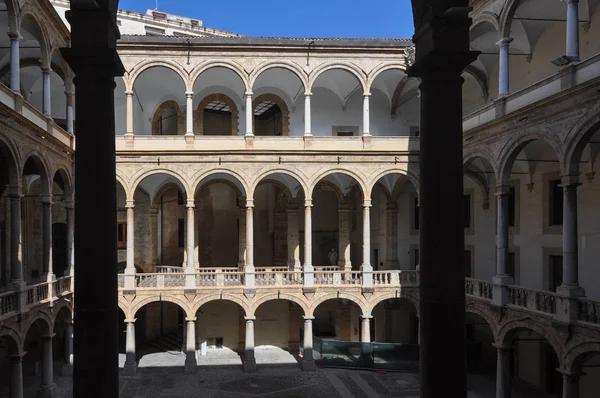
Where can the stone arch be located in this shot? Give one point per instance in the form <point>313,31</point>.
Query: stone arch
<point>486,16</point>
<point>58,307</point>
<point>66,178</point>
<point>380,69</point>
<point>398,294</point>
<point>360,302</point>
<point>508,330</point>
<point>122,180</point>
<point>235,125</point>
<point>482,185</point>
<point>513,147</point>
<point>166,105</point>
<point>231,65</point>
<point>329,186</point>
<point>280,296</point>
<point>12,8</point>
<point>480,78</point>
<point>234,298</point>
<point>349,67</point>
<point>39,315</point>
<point>137,305</point>
<point>45,45</point>
<point>124,306</point>
<point>43,165</point>
<point>154,171</point>
<point>578,137</point>
<point>285,112</point>
<point>506,16</point>
<point>484,314</point>
<point>13,337</point>
<point>207,173</point>
<point>138,69</point>
<point>291,66</point>
<point>11,160</point>
<point>290,173</point>
<point>412,177</point>
<point>576,356</point>
<point>359,179</point>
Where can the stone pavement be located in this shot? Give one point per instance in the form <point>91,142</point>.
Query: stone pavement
<point>220,375</point>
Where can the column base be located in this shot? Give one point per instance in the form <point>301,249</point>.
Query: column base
<point>46,391</point>
<point>190,367</point>
<point>567,306</point>
<point>308,365</point>
<point>570,291</point>
<point>249,365</point>
<point>130,369</point>
<point>66,370</point>
<point>500,293</point>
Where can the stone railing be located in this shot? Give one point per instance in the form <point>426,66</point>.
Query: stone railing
<point>208,277</point>
<point>33,295</point>
<point>535,300</point>
<point>9,302</point>
<point>168,269</point>
<point>37,293</point>
<point>478,288</point>
<point>588,311</point>
<point>337,278</point>
<point>279,278</point>
<point>395,278</point>
<point>166,280</point>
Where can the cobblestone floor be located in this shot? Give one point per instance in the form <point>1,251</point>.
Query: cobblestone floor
<point>220,375</point>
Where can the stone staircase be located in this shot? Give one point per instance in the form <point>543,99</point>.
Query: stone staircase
<point>167,343</point>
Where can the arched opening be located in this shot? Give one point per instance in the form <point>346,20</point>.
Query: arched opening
<point>9,349</point>
<point>217,114</point>
<point>220,331</point>
<point>587,367</point>
<point>481,353</point>
<point>61,194</point>
<point>8,175</point>
<point>155,114</point>
<point>31,53</point>
<point>63,341</point>
<point>168,119</point>
<point>277,332</point>
<point>36,360</point>
<point>271,116</point>
<point>120,107</point>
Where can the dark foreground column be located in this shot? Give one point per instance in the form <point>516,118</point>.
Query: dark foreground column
<point>442,52</point>
<point>93,58</point>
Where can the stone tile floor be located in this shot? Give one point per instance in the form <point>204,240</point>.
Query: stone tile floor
<point>220,375</point>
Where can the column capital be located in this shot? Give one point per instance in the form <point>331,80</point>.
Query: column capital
<point>16,358</point>
<point>572,1</point>
<point>308,203</point>
<point>190,204</point>
<point>502,348</point>
<point>308,318</point>
<point>569,181</point>
<point>129,93</point>
<point>502,190</point>
<point>189,94</point>
<point>69,204</point>
<point>15,191</point>
<point>249,318</point>
<point>249,203</point>
<point>366,318</point>
<point>14,36</point>
<point>504,42</point>
<point>48,336</point>
<point>190,319</point>
<point>129,204</point>
<point>308,94</point>
<point>367,202</point>
<point>248,93</point>
<point>130,320</point>
<point>570,376</point>
<point>46,69</point>
<point>366,95</point>
<point>46,199</point>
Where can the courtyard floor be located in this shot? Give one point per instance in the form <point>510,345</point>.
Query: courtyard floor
<point>220,375</point>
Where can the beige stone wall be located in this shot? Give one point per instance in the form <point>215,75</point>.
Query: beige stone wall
<point>272,324</point>
<point>219,319</point>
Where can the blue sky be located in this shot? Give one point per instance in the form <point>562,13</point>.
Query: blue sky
<point>294,18</point>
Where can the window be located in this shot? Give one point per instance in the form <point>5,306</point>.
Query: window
<point>555,273</point>
<point>467,263</point>
<point>151,31</point>
<point>416,216</point>
<point>511,266</point>
<point>180,233</point>
<point>556,203</point>
<point>511,206</point>
<point>467,211</point>
<point>121,234</point>
<point>345,133</point>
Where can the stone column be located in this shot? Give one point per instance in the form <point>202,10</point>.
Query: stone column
<point>573,30</point>
<point>344,237</point>
<point>249,268</point>
<point>190,347</point>
<point>249,360</point>
<point>366,115</point>
<point>189,114</point>
<point>500,282</point>
<point>16,248</point>
<point>46,92</point>
<point>307,116</point>
<point>93,57</point>
<point>70,113</point>
<point>154,238</point>
<point>15,68</point>
<point>16,376</point>
<point>67,369</point>
<point>190,264</point>
<point>366,267</point>
<point>130,259</point>
<point>503,372</point>
<point>391,244</point>
<point>570,236</point>
<point>570,385</point>
<point>129,98</point>
<point>70,210</point>
<point>308,361</point>
<point>249,114</point>
<point>442,53</point>
<point>46,389</point>
<point>366,329</point>
<point>242,237</point>
<point>293,237</point>
<point>309,270</point>
<point>503,77</point>
<point>130,368</point>
<point>47,238</point>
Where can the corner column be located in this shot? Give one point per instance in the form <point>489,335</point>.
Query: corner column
<point>15,68</point>
<point>70,210</point>
<point>46,389</point>
<point>46,93</point>
<point>47,239</point>
<point>70,112</point>
<point>503,70</point>
<point>366,115</point>
<point>130,368</point>
<point>249,270</point>
<point>366,267</point>
<point>309,270</point>
<point>570,385</point>
<point>16,248</point>
<point>249,361</point>
<point>249,114</point>
<point>573,30</point>
<point>365,338</point>
<point>503,372</point>
<point>242,235</point>
<point>344,236</point>
<point>391,244</point>
<point>442,53</point>
<point>67,369</point>
<point>16,376</point>
<point>189,114</point>
<point>190,265</point>
<point>129,116</point>
<point>293,238</point>
<point>500,282</point>
<point>307,115</point>
<point>130,261</point>
<point>308,361</point>
<point>190,347</point>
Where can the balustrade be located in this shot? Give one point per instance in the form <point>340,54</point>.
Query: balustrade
<point>278,278</point>
<point>588,311</point>
<point>478,288</point>
<point>168,269</point>
<point>532,299</point>
<point>8,302</point>
<point>37,293</point>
